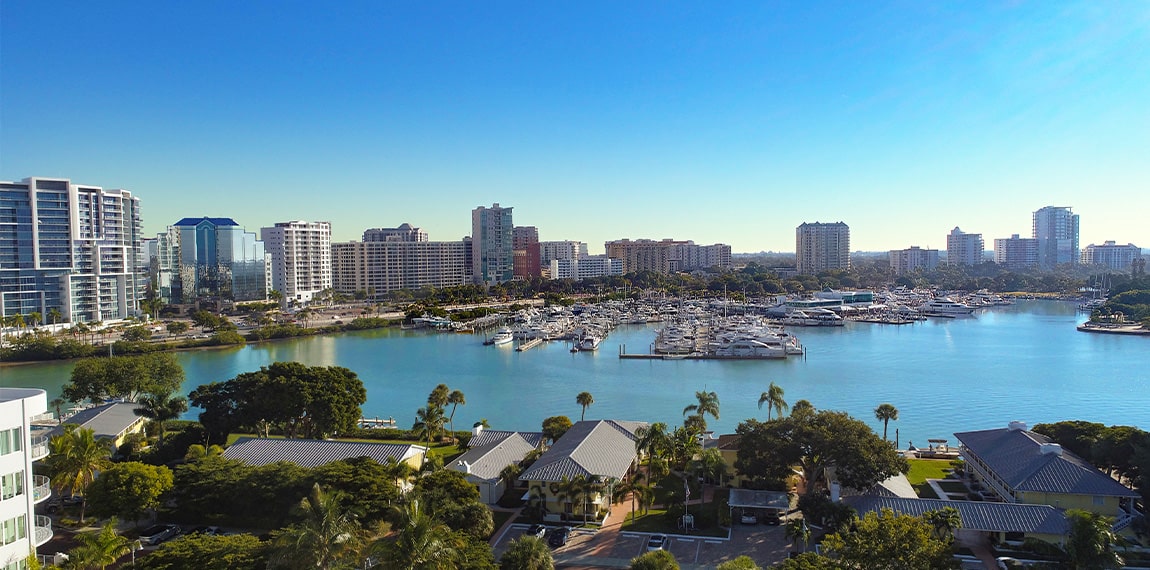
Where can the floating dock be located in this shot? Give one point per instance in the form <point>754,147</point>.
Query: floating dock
<point>528,345</point>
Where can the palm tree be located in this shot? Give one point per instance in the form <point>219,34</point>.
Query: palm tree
<point>628,487</point>
<point>945,521</point>
<point>420,542</point>
<point>584,399</point>
<point>885,413</point>
<point>160,408</point>
<point>509,474</point>
<point>74,459</point>
<point>324,539</point>
<point>706,403</point>
<point>569,491</point>
<point>455,398</point>
<point>773,398</point>
<point>1090,542</point>
<point>428,423</point>
<point>34,318</point>
<point>798,531</point>
<point>652,440</point>
<point>58,405</point>
<point>439,396</point>
<point>527,553</point>
<point>54,315</point>
<point>98,549</point>
<point>590,486</point>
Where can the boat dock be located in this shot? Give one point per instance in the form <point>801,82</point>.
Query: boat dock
<point>528,345</point>
<point>376,423</point>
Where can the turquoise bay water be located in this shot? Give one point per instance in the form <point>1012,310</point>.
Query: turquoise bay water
<point>1024,362</point>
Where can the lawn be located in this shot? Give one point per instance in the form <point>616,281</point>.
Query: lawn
<point>656,521</point>
<point>500,517</point>
<point>923,469</point>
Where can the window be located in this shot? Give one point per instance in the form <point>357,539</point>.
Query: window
<point>13,529</point>
<point>10,441</point>
<point>1099,501</point>
<point>11,485</point>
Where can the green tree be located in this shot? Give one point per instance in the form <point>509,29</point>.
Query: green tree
<point>428,423</point>
<point>555,426</point>
<point>654,560</point>
<point>456,399</point>
<point>944,521</point>
<point>419,543</point>
<point>584,399</point>
<point>439,396</point>
<point>97,549</point>
<point>366,488</point>
<point>99,379</point>
<point>177,327</point>
<point>128,490</point>
<point>54,315</point>
<point>891,541</point>
<point>797,531</point>
<point>1090,543</point>
<point>160,408</point>
<point>326,538</point>
<point>705,403</point>
<point>740,563</point>
<point>75,457</point>
<point>204,552</point>
<point>653,440</point>
<point>773,398</point>
<point>136,334</point>
<point>885,413</point>
<point>527,553</point>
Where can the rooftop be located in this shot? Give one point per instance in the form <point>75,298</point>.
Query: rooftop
<point>976,515</point>
<point>604,448</point>
<point>485,462</point>
<point>107,420</point>
<point>314,452</point>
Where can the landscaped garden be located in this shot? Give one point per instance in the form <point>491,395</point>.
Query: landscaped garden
<point>923,469</point>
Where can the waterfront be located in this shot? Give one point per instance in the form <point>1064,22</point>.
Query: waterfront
<point>1024,362</point>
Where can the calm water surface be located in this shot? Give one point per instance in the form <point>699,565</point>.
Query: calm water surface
<point>1024,362</point>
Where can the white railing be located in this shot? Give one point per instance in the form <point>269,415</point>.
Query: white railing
<point>44,418</point>
<point>39,448</point>
<point>43,530</point>
<point>41,488</point>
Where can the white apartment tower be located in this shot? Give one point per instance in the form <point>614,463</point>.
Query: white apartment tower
<point>301,258</point>
<point>21,529</point>
<point>1056,229</point>
<point>821,247</point>
<point>1112,255</point>
<point>492,252</point>
<point>963,248</point>
<point>1016,252</point>
<point>903,261</point>
<point>69,252</point>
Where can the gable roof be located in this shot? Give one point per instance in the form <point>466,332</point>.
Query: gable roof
<point>313,452</point>
<point>604,447</point>
<point>214,221</point>
<point>485,462</point>
<point>489,436</point>
<point>976,515</point>
<point>1016,456</point>
<point>106,420</point>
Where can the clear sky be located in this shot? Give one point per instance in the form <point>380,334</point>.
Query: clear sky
<point>726,122</point>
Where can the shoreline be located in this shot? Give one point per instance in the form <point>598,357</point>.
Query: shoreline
<point>1131,330</point>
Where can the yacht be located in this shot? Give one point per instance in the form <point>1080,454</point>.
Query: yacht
<point>945,307</point>
<point>503,336</point>
<point>749,349</point>
<point>590,341</point>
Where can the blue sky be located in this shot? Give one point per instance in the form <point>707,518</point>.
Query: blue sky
<point>718,122</point>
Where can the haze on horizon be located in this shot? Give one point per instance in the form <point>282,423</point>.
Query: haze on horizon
<point>595,121</point>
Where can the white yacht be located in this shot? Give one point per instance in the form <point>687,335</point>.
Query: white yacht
<point>503,336</point>
<point>590,341</point>
<point>945,307</point>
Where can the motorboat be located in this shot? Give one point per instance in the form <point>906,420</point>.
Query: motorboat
<point>945,307</point>
<point>503,336</point>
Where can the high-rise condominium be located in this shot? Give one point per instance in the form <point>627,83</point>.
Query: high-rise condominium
<point>405,232</point>
<point>1112,255</point>
<point>903,261</point>
<point>23,530</point>
<point>492,251</point>
<point>301,258</point>
<point>1056,229</point>
<point>821,247</point>
<point>963,248</point>
<point>69,252</point>
<point>1016,252</point>
<point>525,248</point>
<point>215,258</point>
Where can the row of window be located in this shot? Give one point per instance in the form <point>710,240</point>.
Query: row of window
<point>11,440</point>
<point>11,485</point>
<point>12,530</point>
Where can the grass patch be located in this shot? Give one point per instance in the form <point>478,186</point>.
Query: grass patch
<point>923,469</point>
<point>499,518</point>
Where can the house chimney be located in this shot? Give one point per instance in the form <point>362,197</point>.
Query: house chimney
<point>1050,449</point>
<point>1017,426</point>
<point>478,427</point>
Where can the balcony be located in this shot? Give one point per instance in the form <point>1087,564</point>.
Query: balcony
<point>39,448</point>
<point>41,489</point>
<point>42,530</point>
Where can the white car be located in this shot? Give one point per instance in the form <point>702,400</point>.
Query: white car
<point>658,542</point>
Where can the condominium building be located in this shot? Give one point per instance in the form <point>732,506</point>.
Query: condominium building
<point>1016,253</point>
<point>21,529</point>
<point>914,258</point>
<point>668,255</point>
<point>822,247</point>
<point>565,249</point>
<point>300,253</point>
<point>403,233</point>
<point>1112,255</point>
<point>692,257</point>
<point>963,248</point>
<point>211,258</point>
<point>1056,229</point>
<point>377,267</point>
<point>69,252</point>
<point>525,249</point>
<point>492,252</point>
<point>586,267</point>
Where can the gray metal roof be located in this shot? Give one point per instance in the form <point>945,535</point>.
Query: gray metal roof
<point>976,515</point>
<point>487,461</point>
<point>312,452</point>
<point>759,499</point>
<point>1016,456</point>
<point>106,420</point>
<point>490,436</point>
<point>603,447</point>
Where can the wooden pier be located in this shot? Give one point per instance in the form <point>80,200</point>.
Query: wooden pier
<point>528,345</point>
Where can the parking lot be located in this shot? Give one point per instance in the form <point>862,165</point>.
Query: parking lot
<point>610,548</point>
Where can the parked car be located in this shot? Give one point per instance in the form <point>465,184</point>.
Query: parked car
<point>158,533</point>
<point>207,531</point>
<point>658,542</point>
<point>537,530</point>
<point>771,518</point>
<point>749,518</point>
<point>65,501</point>
<point>558,536</point>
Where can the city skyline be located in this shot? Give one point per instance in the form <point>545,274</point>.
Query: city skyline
<point>595,122</point>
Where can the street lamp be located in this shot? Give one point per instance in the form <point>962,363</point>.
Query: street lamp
<point>134,547</point>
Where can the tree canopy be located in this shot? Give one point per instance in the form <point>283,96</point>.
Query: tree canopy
<point>880,540</point>
<point>100,378</point>
<point>128,490</point>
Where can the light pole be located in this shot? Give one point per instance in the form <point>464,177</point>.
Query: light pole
<point>134,547</point>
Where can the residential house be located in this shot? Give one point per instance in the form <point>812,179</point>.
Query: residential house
<point>600,450</point>
<point>490,452</point>
<point>259,451</point>
<point>113,422</point>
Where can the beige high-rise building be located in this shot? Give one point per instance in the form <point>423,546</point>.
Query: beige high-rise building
<point>301,258</point>
<point>377,267</point>
<point>963,248</point>
<point>822,247</point>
